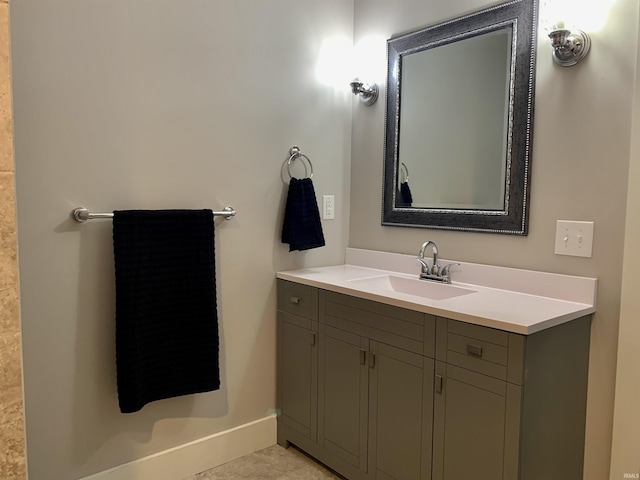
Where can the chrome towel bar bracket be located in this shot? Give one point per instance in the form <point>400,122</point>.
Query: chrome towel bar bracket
<point>81,214</point>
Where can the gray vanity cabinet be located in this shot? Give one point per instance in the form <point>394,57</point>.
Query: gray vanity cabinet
<point>469,436</point>
<point>343,399</point>
<point>509,406</point>
<point>375,410</point>
<point>400,414</point>
<point>476,411</point>
<point>380,392</point>
<point>358,396</point>
<point>298,359</point>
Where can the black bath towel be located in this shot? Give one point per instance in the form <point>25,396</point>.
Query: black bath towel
<point>166,319</point>
<point>302,229</point>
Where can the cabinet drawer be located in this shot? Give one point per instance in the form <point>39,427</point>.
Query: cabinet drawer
<point>297,299</point>
<point>484,350</point>
<point>477,355</point>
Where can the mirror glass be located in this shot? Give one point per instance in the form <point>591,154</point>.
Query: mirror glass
<point>458,127</point>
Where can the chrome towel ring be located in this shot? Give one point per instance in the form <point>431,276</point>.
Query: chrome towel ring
<point>295,153</point>
<point>405,171</point>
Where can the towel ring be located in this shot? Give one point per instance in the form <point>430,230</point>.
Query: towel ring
<point>405,170</point>
<point>295,154</point>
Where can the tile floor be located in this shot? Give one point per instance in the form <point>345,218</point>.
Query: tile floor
<point>271,463</point>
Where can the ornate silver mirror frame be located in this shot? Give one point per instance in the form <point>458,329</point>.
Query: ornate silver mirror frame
<point>512,217</point>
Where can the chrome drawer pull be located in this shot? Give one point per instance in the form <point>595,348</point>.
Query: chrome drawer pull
<point>295,300</point>
<point>475,350</point>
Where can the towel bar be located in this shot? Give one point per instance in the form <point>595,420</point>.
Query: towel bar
<point>81,214</point>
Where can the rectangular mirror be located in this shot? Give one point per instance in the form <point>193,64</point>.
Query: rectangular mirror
<point>459,122</point>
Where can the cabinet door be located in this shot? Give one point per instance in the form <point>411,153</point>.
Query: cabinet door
<point>476,426</point>
<point>297,372</point>
<point>342,404</point>
<point>400,413</point>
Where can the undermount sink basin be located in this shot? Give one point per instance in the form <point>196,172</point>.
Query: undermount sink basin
<point>412,286</point>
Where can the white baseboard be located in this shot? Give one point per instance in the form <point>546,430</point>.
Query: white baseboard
<point>194,457</point>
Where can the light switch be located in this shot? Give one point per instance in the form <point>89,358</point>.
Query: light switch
<point>574,238</point>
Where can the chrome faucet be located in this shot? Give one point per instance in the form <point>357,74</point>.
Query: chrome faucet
<point>435,272</point>
<point>435,268</point>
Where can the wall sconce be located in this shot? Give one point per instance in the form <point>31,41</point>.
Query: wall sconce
<point>569,46</point>
<point>368,92</point>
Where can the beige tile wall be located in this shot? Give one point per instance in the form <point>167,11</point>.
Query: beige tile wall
<point>12,459</point>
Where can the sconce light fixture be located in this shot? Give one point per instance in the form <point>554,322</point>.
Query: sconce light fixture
<point>569,46</point>
<point>368,92</point>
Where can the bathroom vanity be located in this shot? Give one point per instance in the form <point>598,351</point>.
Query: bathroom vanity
<point>378,378</point>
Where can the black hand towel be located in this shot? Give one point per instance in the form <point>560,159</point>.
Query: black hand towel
<point>302,229</point>
<point>166,320</point>
<point>400,200</point>
<point>405,193</point>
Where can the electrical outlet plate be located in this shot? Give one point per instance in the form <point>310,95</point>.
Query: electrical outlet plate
<point>574,238</point>
<point>328,207</point>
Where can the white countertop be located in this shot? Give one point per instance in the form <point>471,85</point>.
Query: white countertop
<point>518,301</point>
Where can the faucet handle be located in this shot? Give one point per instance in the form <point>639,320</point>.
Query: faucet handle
<point>424,265</point>
<point>445,270</point>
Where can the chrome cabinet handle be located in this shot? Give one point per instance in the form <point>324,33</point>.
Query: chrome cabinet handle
<point>313,338</point>
<point>475,350</point>
<point>363,356</point>
<point>438,384</point>
<point>295,300</point>
<point>372,360</point>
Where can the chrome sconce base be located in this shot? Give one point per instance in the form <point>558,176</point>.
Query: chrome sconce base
<point>368,92</point>
<point>569,46</point>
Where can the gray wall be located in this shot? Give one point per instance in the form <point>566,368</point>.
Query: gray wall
<point>122,104</point>
<point>580,163</point>
<point>167,104</point>
<point>626,426</point>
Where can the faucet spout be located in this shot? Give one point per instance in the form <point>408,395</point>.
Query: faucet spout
<point>435,266</point>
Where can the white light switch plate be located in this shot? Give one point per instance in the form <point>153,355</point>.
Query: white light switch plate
<point>574,238</point>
